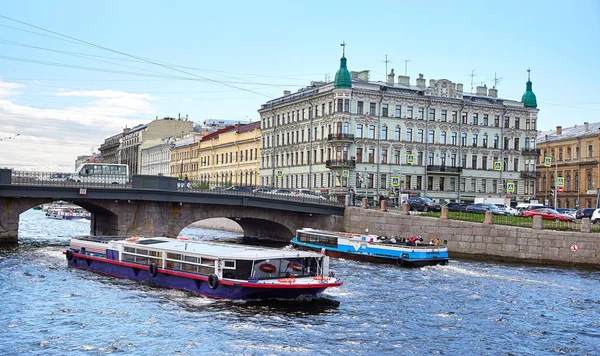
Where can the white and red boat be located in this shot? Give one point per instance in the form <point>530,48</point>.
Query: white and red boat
<point>68,214</point>
<point>211,269</point>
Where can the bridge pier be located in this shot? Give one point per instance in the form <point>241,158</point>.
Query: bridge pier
<point>10,209</point>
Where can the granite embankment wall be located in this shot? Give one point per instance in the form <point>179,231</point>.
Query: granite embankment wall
<point>482,241</point>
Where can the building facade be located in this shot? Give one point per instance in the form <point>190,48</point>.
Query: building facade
<point>573,154</point>
<point>184,157</point>
<point>230,156</point>
<point>439,141</point>
<point>109,150</point>
<point>148,135</point>
<point>156,160</point>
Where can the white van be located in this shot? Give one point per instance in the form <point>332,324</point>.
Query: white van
<point>101,173</point>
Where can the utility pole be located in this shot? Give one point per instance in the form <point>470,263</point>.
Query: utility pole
<point>472,76</point>
<point>555,181</point>
<point>406,66</point>
<point>386,66</point>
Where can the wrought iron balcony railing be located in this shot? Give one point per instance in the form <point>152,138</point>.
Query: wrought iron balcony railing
<point>444,169</point>
<point>340,137</point>
<point>340,163</point>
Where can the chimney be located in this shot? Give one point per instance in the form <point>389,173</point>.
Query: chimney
<point>586,125</point>
<point>481,90</point>
<point>493,92</point>
<point>459,87</point>
<point>559,130</point>
<point>390,77</point>
<point>354,74</point>
<point>431,83</point>
<point>404,80</point>
<point>287,92</point>
<point>421,81</point>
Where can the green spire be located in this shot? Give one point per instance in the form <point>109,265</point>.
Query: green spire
<point>528,98</point>
<point>342,77</point>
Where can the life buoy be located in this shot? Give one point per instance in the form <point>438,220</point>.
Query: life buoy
<point>295,266</point>
<point>132,239</point>
<point>213,281</point>
<point>267,268</point>
<point>69,255</point>
<point>153,269</point>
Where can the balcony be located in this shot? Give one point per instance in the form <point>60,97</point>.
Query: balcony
<point>529,174</point>
<point>340,163</point>
<point>444,169</point>
<point>530,151</point>
<point>341,137</point>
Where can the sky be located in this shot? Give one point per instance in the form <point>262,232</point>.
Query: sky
<point>75,72</point>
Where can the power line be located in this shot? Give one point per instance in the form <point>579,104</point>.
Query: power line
<point>133,56</point>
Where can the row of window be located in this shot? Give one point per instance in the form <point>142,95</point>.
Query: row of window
<point>569,184</point>
<point>408,182</point>
<point>229,157</point>
<point>567,151</point>
<point>398,111</point>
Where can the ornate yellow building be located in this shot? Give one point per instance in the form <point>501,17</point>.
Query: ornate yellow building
<point>574,151</point>
<point>230,156</point>
<point>184,157</point>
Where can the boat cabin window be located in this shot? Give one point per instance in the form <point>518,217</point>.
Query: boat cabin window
<point>229,264</point>
<point>286,267</point>
<point>173,256</point>
<point>317,239</point>
<point>140,255</point>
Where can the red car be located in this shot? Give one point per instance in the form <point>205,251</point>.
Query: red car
<point>548,214</point>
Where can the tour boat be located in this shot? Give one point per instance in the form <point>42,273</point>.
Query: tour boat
<point>68,214</point>
<point>206,268</point>
<point>371,248</point>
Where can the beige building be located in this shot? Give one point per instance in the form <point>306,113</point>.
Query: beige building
<point>148,135</point>
<point>230,156</point>
<point>573,153</point>
<point>434,140</point>
<point>184,157</point>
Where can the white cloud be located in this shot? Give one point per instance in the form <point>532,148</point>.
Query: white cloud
<point>51,139</point>
<point>9,89</point>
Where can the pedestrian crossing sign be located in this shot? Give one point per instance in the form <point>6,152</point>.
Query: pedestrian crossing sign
<point>410,158</point>
<point>510,187</point>
<point>498,165</point>
<point>560,181</point>
<point>547,161</point>
<point>279,173</point>
<point>345,173</point>
<point>395,181</point>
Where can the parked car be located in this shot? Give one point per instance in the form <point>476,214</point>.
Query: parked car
<point>240,188</point>
<point>423,204</point>
<point>548,214</point>
<point>509,211</point>
<point>584,213</point>
<point>283,192</point>
<point>262,190</point>
<point>308,193</point>
<point>458,207</point>
<point>567,211</point>
<point>481,208</point>
<point>595,216</point>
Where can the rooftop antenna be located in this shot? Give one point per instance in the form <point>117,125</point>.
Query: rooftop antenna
<point>472,76</point>
<point>386,72</point>
<point>406,66</point>
<point>496,80</point>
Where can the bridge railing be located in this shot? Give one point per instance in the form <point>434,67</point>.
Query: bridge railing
<point>61,179</point>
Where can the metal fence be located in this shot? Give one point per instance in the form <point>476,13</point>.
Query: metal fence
<point>60,179</point>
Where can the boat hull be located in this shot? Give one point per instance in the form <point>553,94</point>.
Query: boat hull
<point>364,257</point>
<point>196,283</point>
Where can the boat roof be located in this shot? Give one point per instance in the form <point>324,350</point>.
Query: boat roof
<point>211,249</point>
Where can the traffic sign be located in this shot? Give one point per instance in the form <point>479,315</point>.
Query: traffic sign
<point>547,161</point>
<point>279,173</point>
<point>395,181</point>
<point>410,158</point>
<point>498,165</point>
<point>560,190</point>
<point>345,173</point>
<point>510,187</point>
<point>560,181</point>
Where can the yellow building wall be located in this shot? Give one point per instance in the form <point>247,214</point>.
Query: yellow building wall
<point>577,161</point>
<point>232,158</point>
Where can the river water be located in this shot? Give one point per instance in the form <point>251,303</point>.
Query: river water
<point>464,308</point>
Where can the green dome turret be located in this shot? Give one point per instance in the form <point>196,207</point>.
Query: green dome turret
<point>342,77</point>
<point>528,99</point>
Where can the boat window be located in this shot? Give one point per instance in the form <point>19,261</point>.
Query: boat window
<point>229,264</point>
<point>317,239</point>
<point>129,249</point>
<point>188,267</point>
<point>173,256</point>
<point>190,259</point>
<point>285,267</point>
<point>140,251</point>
